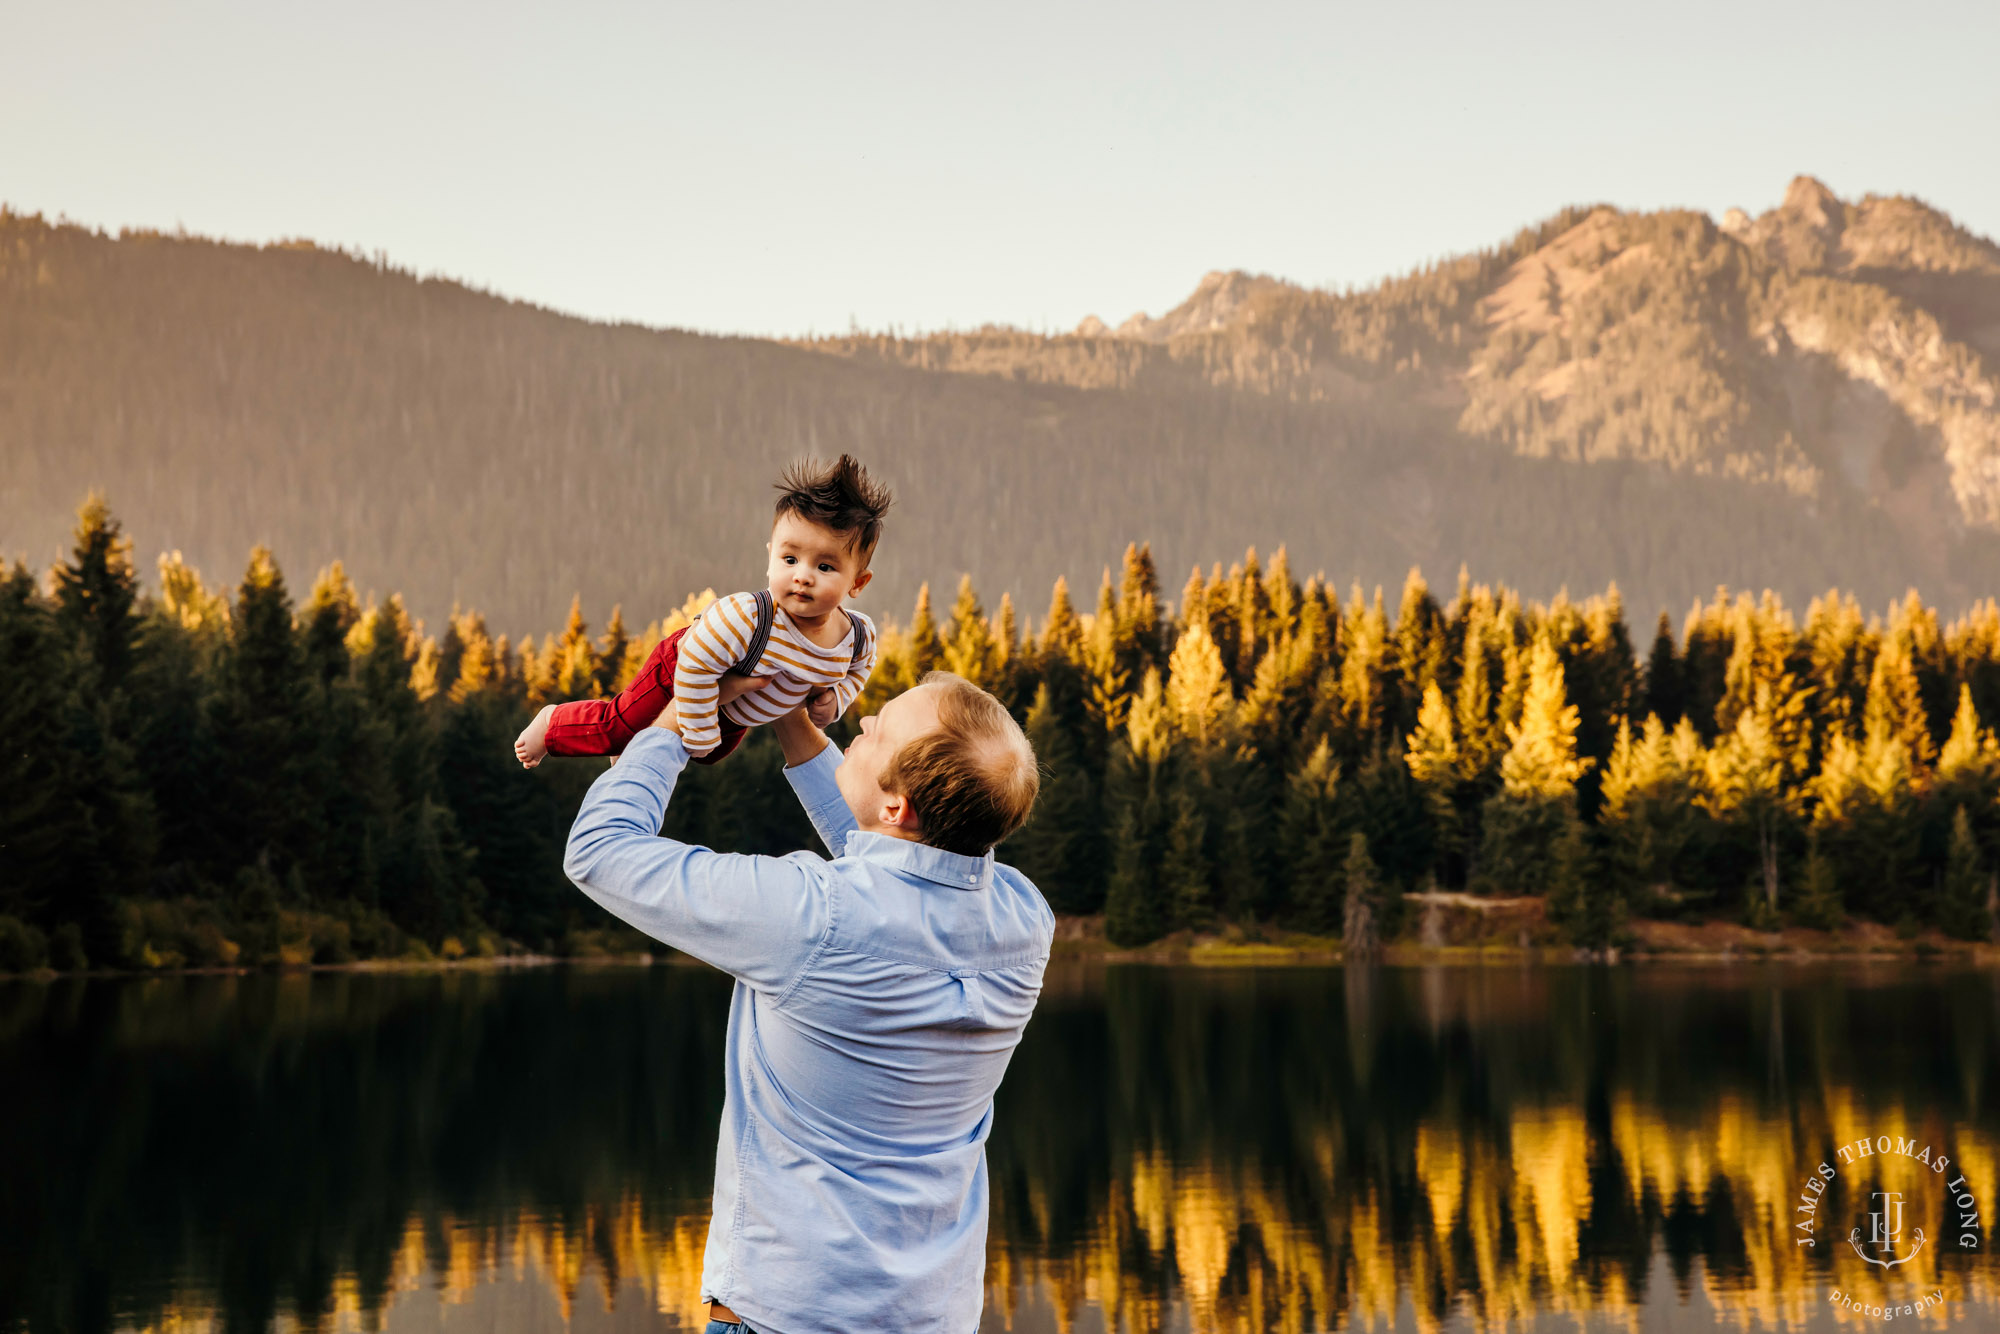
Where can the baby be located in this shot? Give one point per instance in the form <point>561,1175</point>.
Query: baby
<point>814,651</point>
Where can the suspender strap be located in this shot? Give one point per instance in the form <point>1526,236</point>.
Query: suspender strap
<point>860,641</point>
<point>759,637</point>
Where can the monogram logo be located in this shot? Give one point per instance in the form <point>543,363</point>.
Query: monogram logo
<point>1885,1232</point>
<point>1882,1237</point>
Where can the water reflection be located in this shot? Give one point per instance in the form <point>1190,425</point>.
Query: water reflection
<point>1419,1149</point>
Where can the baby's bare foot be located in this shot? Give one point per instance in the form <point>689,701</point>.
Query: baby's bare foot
<point>531,745</point>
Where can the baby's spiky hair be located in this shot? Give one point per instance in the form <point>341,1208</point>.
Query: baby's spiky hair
<point>838,495</point>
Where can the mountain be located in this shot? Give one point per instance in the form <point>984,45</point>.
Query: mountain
<point>1800,400</point>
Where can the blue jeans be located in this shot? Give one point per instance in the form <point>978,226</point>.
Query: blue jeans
<point>723,1327</point>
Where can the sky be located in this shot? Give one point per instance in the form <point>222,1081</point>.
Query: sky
<point>791,169</point>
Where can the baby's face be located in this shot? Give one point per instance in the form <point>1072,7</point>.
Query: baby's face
<point>812,567</point>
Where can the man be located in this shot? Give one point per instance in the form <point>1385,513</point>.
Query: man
<point>878,999</point>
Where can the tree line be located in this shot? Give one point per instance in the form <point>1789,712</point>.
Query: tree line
<point>194,775</point>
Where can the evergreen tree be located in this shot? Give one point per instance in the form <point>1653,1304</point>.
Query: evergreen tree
<point>614,664</point>
<point>1359,939</point>
<point>1967,884</point>
<point>1818,903</point>
<point>1648,815</point>
<point>1367,667</point>
<point>1895,703</point>
<point>1753,778</point>
<point>1133,912</point>
<point>1136,623</point>
<point>1538,782</point>
<point>1185,872</point>
<point>1198,697</point>
<point>54,866</point>
<point>97,593</point>
<point>1587,907</point>
<point>925,647</point>
<point>268,799</point>
<point>331,614</point>
<point>1107,676</point>
<point>1314,838</point>
<point>969,647</point>
<point>1055,849</point>
<point>1664,696</point>
<point>1421,648</point>
<point>481,662</point>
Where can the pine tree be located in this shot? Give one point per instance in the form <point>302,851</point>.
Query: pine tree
<point>53,863</point>
<point>925,647</point>
<point>1841,650</point>
<point>1062,631</point>
<point>1541,762</point>
<point>1133,911</point>
<point>1359,938</point>
<point>1587,907</point>
<point>1963,911</point>
<point>1895,703</point>
<point>1421,647</point>
<point>1311,833</point>
<point>969,650</point>
<point>1281,595</point>
<point>1751,779</point>
<point>1055,848</point>
<point>1107,678</point>
<point>330,616</point>
<point>1439,770</point>
<point>1198,696</point>
<point>1538,774</point>
<point>1136,625</point>
<point>1664,696</point>
<point>481,661</point>
<point>269,802</point>
<point>1185,871</point>
<point>186,602</point>
<point>614,665</point>
<point>97,593</point>
<point>1818,903</point>
<point>1366,697</point>
<point>1648,818</point>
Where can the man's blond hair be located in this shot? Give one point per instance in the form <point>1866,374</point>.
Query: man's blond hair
<point>972,780</point>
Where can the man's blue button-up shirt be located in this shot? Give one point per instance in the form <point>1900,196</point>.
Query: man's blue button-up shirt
<point>879,997</point>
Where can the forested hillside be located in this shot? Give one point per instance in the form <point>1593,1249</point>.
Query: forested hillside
<point>1661,401</point>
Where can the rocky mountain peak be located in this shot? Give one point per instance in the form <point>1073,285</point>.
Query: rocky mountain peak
<point>1217,303</point>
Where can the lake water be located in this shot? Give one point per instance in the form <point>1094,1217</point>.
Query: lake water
<point>1295,1149</point>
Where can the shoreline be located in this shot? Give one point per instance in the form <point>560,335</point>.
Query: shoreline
<point>1452,932</point>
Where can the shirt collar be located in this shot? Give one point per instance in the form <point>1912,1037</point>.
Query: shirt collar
<point>920,859</point>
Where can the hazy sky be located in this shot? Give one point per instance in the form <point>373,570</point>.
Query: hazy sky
<point>778,169</point>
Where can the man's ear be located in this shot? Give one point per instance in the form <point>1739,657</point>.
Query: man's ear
<point>898,813</point>
<point>860,582</point>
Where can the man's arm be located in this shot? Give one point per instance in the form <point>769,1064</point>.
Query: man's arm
<point>810,759</point>
<point>759,918</point>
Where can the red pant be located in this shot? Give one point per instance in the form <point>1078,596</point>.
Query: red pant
<point>603,726</point>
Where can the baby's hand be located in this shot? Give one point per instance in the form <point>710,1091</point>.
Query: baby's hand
<point>821,707</point>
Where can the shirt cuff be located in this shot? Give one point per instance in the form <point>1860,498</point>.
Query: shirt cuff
<point>819,792</point>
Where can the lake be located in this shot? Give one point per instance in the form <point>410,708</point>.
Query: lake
<point>1519,1147</point>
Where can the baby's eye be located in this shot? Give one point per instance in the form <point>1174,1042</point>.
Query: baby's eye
<point>825,568</point>
<point>789,560</point>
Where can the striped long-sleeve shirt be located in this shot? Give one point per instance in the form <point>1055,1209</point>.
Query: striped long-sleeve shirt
<point>795,664</point>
